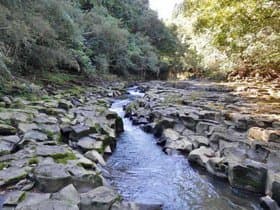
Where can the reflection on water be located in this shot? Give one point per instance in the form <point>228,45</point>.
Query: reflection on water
<point>141,172</point>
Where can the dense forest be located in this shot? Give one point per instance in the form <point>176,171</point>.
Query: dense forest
<point>213,39</point>
<point>82,36</point>
<point>236,38</point>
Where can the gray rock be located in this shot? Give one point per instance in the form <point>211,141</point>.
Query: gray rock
<point>276,188</point>
<point>45,150</point>
<point>190,120</point>
<point>51,177</point>
<point>261,134</point>
<point>45,119</point>
<point>88,143</point>
<point>13,198</point>
<point>8,144</point>
<point>15,116</point>
<point>7,130</point>
<point>7,101</point>
<point>183,144</point>
<point>101,198</point>
<point>249,175</point>
<point>25,127</point>
<point>217,166</point>
<point>170,135</point>
<point>79,131</point>
<point>69,194</point>
<point>201,155</point>
<point>35,135</point>
<point>84,180</point>
<point>12,175</point>
<point>32,199</point>
<point>163,124</point>
<point>199,141</point>
<point>64,104</point>
<point>50,204</point>
<point>50,128</point>
<point>96,157</point>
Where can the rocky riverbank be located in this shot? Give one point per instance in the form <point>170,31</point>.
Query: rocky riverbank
<point>231,130</point>
<point>52,150</point>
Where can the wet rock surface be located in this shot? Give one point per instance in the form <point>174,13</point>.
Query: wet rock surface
<point>231,130</point>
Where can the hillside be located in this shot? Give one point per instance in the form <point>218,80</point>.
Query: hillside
<point>90,37</point>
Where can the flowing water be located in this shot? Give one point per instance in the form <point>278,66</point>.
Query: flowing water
<point>142,173</point>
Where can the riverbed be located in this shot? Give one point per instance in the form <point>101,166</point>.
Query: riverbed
<point>140,171</point>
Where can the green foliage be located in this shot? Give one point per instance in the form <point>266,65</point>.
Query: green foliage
<point>247,31</point>
<point>63,158</point>
<point>81,36</point>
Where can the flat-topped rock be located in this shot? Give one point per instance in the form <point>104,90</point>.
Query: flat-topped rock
<point>261,134</point>
<point>101,198</point>
<point>12,175</point>
<point>69,194</point>
<point>53,151</point>
<point>35,135</point>
<point>51,177</point>
<point>249,175</point>
<point>96,157</point>
<point>89,143</point>
<point>49,204</point>
<point>201,155</point>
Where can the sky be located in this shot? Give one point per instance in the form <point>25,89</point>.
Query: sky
<point>164,7</point>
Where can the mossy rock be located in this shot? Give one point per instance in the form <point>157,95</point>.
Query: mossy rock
<point>63,158</point>
<point>248,177</point>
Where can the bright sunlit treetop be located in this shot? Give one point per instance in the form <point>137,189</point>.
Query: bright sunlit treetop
<point>164,7</point>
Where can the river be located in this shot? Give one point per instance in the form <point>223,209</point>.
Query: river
<point>141,172</point>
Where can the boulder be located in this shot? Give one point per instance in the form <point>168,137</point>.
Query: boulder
<point>199,141</point>
<point>8,144</point>
<point>96,157</point>
<point>276,188</point>
<point>35,135</point>
<point>101,198</point>
<point>44,119</point>
<point>190,120</point>
<point>51,177</point>
<point>7,130</point>
<point>84,180</point>
<point>49,204</point>
<point>30,199</point>
<point>261,134</point>
<point>52,151</point>
<point>69,194</point>
<point>267,203</point>
<point>201,155</point>
<point>169,135</point>
<point>249,175</point>
<point>163,124</point>
<point>88,143</point>
<point>64,104</point>
<point>79,131</point>
<point>12,175</point>
<point>183,144</point>
<point>25,127</point>
<point>217,166</point>
<point>13,198</point>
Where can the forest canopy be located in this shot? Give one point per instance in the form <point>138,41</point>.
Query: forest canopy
<point>82,36</point>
